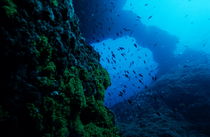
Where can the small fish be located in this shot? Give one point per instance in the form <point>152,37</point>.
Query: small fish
<point>141,81</point>
<point>135,45</point>
<point>108,60</point>
<point>145,4</point>
<point>113,55</point>
<point>125,29</point>
<point>141,75</point>
<point>126,75</point>
<point>121,48</point>
<point>154,78</point>
<point>145,62</point>
<point>138,17</point>
<point>126,71</point>
<point>123,54</point>
<point>149,17</point>
<point>131,63</point>
<point>129,101</point>
<point>121,93</point>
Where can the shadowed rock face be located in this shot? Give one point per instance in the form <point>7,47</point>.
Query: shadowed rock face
<point>100,20</point>
<point>177,105</point>
<point>52,84</point>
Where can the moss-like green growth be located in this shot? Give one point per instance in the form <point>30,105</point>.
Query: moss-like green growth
<point>101,76</point>
<point>44,48</point>
<point>75,88</point>
<point>54,2</point>
<point>50,68</point>
<point>56,86</point>
<point>56,116</point>
<point>9,7</point>
<point>46,82</point>
<point>36,116</point>
<point>94,131</point>
<point>102,81</point>
<point>78,126</point>
<point>72,72</point>
<point>102,117</point>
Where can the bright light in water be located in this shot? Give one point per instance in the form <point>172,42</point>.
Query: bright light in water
<point>130,66</point>
<point>189,20</point>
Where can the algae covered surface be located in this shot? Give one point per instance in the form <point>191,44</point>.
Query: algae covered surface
<point>52,84</point>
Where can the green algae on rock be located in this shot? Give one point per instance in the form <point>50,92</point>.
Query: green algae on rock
<point>9,7</point>
<point>53,84</point>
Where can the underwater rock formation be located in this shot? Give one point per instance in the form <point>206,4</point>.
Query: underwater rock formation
<point>177,105</point>
<point>101,20</point>
<point>52,84</point>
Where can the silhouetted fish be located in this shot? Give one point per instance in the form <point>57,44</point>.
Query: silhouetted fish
<point>126,75</point>
<point>123,54</point>
<point>149,17</point>
<point>129,101</point>
<point>154,78</point>
<point>121,48</point>
<point>138,17</point>
<point>125,29</point>
<point>113,55</point>
<point>141,81</point>
<point>141,75</point>
<point>121,93</point>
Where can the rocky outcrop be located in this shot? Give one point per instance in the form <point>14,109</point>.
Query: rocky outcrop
<point>52,84</point>
<point>177,105</point>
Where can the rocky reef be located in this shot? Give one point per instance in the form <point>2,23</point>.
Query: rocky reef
<point>177,105</point>
<point>52,84</point>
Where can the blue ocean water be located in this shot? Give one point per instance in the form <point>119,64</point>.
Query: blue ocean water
<point>130,66</point>
<point>157,55</point>
<point>159,27</point>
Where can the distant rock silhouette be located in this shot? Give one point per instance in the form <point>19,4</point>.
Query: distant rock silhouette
<point>177,105</point>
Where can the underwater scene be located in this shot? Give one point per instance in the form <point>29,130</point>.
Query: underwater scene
<point>105,68</point>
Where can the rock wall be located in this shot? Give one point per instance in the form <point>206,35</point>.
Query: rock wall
<point>176,105</point>
<point>52,84</point>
